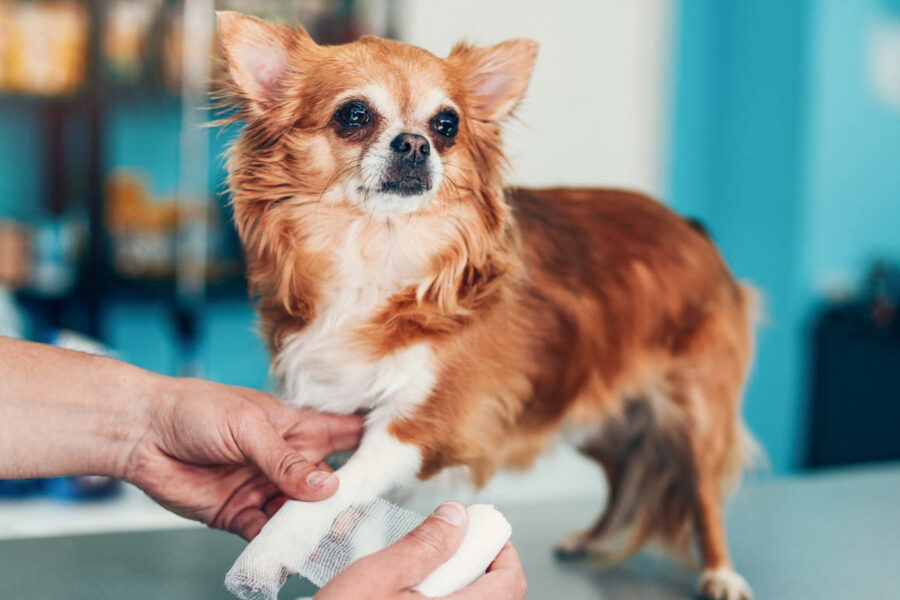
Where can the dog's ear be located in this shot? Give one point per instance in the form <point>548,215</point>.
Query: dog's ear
<point>495,77</point>
<point>258,56</point>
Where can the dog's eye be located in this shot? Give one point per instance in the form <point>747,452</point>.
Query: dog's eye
<point>353,114</point>
<point>446,123</point>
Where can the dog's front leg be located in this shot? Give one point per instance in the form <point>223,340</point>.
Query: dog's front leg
<point>381,464</point>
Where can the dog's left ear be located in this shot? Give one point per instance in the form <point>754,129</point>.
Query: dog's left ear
<point>495,77</point>
<point>258,56</point>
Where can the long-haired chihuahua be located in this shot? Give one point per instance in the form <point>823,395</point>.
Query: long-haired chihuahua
<point>474,324</point>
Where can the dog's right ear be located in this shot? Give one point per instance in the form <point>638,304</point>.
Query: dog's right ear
<point>258,57</point>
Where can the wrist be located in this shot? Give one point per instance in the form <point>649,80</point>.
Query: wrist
<point>134,435</point>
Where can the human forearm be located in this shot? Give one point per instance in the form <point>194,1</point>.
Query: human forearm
<point>66,413</point>
<point>227,456</point>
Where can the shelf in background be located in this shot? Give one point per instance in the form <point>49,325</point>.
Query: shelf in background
<point>111,92</point>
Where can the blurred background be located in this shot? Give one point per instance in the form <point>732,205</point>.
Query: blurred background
<point>775,123</point>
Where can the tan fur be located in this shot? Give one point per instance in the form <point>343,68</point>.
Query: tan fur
<point>600,310</point>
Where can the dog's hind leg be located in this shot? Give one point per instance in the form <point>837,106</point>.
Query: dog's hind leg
<point>609,446</point>
<point>719,580</point>
<point>719,451</point>
<point>646,476</point>
<point>594,541</point>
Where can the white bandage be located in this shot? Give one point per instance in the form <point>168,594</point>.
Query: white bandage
<point>261,570</point>
<point>488,531</point>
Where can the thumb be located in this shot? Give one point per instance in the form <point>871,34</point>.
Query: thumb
<point>424,549</point>
<point>289,470</point>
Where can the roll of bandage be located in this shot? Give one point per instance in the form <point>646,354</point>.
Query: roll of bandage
<point>486,535</point>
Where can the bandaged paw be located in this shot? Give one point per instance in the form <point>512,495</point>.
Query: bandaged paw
<point>320,550</point>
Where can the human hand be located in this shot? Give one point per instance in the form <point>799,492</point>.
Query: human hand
<point>392,573</point>
<point>230,457</point>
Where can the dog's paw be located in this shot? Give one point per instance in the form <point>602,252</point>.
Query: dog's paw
<point>579,545</point>
<point>723,584</point>
<point>572,546</point>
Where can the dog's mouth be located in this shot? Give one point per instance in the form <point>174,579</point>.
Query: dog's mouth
<point>396,186</point>
<point>410,185</point>
<point>406,178</point>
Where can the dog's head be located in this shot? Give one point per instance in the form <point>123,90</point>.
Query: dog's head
<point>382,127</point>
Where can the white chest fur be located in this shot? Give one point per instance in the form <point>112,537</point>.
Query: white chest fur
<point>324,367</point>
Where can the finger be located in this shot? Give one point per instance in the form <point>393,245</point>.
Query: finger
<point>423,550</point>
<point>255,492</point>
<point>344,432</point>
<point>285,467</point>
<point>274,504</point>
<point>508,558</point>
<point>504,580</point>
<point>248,523</point>
<point>322,434</point>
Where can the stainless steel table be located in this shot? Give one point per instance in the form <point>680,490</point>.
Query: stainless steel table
<point>820,537</point>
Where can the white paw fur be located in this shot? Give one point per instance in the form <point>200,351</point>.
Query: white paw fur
<point>723,584</point>
<point>572,542</point>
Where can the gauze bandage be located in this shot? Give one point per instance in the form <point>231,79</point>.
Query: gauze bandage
<point>273,556</point>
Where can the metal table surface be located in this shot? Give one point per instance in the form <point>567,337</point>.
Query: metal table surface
<point>829,536</point>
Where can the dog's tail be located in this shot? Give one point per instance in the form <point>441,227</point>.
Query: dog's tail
<point>651,491</point>
<point>746,453</point>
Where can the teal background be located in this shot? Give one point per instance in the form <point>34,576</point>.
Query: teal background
<point>780,147</point>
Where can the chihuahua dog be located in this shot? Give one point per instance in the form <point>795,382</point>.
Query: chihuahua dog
<point>476,325</point>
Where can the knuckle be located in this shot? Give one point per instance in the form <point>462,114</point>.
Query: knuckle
<point>366,564</point>
<point>523,585</point>
<point>516,589</point>
<point>432,538</point>
<point>247,418</point>
<point>292,466</point>
<point>245,427</point>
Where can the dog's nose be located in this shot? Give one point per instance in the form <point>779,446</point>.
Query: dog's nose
<point>412,147</point>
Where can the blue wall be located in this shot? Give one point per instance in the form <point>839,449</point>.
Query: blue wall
<point>779,147</point>
<point>736,162</point>
<point>854,148</point>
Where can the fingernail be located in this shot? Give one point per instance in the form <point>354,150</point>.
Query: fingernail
<point>452,512</point>
<point>318,479</point>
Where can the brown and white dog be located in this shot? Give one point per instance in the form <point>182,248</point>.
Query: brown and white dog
<point>476,325</point>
